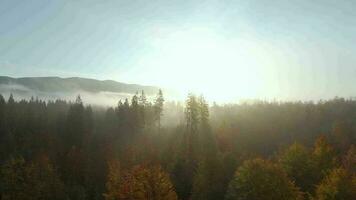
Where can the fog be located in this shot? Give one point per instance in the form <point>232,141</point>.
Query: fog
<point>173,112</point>
<point>102,98</point>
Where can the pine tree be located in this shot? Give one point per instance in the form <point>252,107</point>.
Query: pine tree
<point>11,113</point>
<point>135,117</point>
<point>2,128</point>
<point>192,114</point>
<point>158,107</point>
<point>75,124</point>
<point>75,154</point>
<point>143,99</point>
<point>11,100</point>
<point>143,104</point>
<point>203,111</point>
<point>209,170</point>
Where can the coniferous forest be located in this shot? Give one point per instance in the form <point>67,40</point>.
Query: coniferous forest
<point>152,149</point>
<point>177,100</point>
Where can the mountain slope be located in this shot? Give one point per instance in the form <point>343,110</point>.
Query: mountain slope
<point>56,84</point>
<point>92,91</point>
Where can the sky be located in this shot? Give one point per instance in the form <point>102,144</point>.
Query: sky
<point>225,49</point>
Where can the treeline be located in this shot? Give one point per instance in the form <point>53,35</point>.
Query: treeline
<point>151,150</point>
<point>263,127</point>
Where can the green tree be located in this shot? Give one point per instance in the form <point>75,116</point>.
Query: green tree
<point>342,135</point>
<point>13,179</point>
<point>143,108</point>
<point>203,111</point>
<point>299,166</point>
<point>186,161</point>
<point>260,179</point>
<point>210,168</point>
<point>208,179</point>
<point>136,120</point>
<point>192,109</point>
<point>142,99</point>
<point>75,125</point>
<point>2,112</point>
<point>75,157</point>
<point>158,107</point>
<point>30,181</point>
<point>3,149</point>
<point>190,138</point>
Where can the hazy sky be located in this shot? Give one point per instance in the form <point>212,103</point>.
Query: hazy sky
<point>296,49</point>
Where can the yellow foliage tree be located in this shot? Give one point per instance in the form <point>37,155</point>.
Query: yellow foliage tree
<point>323,157</point>
<point>142,182</point>
<point>339,184</point>
<point>113,180</point>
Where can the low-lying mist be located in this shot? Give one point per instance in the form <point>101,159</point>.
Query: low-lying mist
<point>102,98</point>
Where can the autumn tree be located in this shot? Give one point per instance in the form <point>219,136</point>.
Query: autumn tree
<point>323,157</point>
<point>337,185</point>
<point>145,182</point>
<point>260,179</point>
<point>349,160</point>
<point>113,181</point>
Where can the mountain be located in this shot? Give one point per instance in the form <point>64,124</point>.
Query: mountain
<point>92,90</point>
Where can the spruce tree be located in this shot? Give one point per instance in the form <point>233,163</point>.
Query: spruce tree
<point>158,108</point>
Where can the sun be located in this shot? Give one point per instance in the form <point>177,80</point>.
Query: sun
<point>202,62</point>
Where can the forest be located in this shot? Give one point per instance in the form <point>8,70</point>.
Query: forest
<point>152,149</point>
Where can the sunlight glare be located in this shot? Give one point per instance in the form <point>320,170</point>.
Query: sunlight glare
<point>200,61</point>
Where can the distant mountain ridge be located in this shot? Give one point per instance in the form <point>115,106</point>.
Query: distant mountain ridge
<point>73,84</point>
<point>92,91</point>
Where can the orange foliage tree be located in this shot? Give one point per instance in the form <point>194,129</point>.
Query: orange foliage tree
<point>142,182</point>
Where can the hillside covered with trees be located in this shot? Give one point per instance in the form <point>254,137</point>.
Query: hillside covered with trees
<point>157,150</point>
